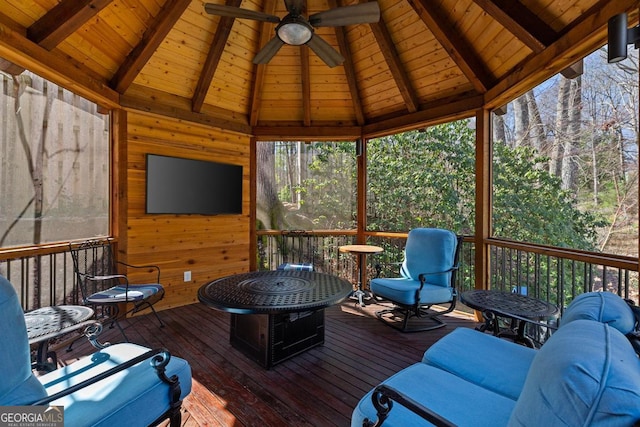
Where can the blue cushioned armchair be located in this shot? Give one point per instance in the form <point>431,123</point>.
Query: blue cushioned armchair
<point>428,276</point>
<point>122,384</point>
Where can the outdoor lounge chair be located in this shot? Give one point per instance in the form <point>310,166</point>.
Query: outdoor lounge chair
<point>122,384</point>
<point>427,278</point>
<point>107,291</point>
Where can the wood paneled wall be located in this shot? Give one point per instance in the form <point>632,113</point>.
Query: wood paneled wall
<point>208,246</point>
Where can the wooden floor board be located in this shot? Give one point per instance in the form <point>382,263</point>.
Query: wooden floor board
<point>317,388</point>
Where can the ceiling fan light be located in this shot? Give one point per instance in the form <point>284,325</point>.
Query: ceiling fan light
<point>294,33</point>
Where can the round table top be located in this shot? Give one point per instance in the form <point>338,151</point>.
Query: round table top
<point>274,292</point>
<point>361,249</point>
<point>509,304</point>
<point>47,320</point>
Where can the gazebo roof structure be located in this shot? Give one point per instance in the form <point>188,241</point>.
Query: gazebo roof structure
<point>424,60</point>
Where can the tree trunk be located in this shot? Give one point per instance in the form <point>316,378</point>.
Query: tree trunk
<point>499,133</point>
<point>537,133</point>
<point>562,111</point>
<point>521,121</point>
<point>572,137</point>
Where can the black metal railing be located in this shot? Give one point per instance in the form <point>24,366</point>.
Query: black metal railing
<point>44,276</point>
<point>553,275</point>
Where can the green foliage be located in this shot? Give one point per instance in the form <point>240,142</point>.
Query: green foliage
<point>422,179</point>
<point>529,205</point>
<point>328,195</point>
<point>427,179</point>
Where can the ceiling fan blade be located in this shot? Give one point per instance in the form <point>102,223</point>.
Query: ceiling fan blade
<point>295,7</point>
<point>363,13</point>
<point>268,51</point>
<point>325,51</point>
<point>236,12</point>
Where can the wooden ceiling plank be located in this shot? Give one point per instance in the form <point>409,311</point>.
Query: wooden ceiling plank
<point>260,69</point>
<point>305,76</point>
<point>350,73</point>
<point>521,22</point>
<point>213,58</point>
<point>349,69</point>
<point>63,20</point>
<point>456,46</point>
<point>400,76</point>
<point>151,39</point>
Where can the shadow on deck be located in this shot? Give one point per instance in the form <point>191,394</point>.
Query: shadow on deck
<point>317,388</point>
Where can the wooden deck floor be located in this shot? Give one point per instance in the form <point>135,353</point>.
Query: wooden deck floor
<point>317,388</point>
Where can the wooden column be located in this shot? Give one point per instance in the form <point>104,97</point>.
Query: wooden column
<point>361,159</point>
<point>119,180</point>
<point>253,243</point>
<point>483,197</point>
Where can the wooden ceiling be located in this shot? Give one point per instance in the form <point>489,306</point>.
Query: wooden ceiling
<point>424,59</point>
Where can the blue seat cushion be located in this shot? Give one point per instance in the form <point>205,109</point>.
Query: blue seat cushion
<point>495,364</point>
<point>121,294</point>
<point>605,307</point>
<point>135,396</point>
<point>401,290</point>
<point>436,389</point>
<point>18,384</point>
<point>586,374</point>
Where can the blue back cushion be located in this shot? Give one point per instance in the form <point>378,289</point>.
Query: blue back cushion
<point>605,307</point>
<point>586,374</point>
<point>18,385</point>
<point>430,250</point>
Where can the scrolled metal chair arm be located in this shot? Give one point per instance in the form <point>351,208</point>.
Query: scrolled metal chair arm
<point>383,398</point>
<point>91,332</point>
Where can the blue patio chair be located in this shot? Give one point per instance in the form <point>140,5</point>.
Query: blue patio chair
<point>121,384</point>
<point>107,291</point>
<point>427,278</point>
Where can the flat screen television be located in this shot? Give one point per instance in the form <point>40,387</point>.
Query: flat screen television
<point>187,186</point>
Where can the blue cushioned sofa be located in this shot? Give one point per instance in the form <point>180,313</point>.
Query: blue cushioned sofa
<point>120,385</point>
<point>586,374</point>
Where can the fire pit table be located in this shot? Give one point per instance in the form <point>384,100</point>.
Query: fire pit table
<point>275,314</point>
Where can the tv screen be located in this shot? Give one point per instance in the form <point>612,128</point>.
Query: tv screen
<point>187,186</point>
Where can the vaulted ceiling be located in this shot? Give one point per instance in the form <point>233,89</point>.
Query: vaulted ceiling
<point>422,60</point>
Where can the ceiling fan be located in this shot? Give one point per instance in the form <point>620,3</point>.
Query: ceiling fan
<point>294,29</point>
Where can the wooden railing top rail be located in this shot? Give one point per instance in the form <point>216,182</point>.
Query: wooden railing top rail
<point>11,253</point>
<point>307,232</point>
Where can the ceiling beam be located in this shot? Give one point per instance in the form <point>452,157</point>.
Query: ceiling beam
<point>391,57</point>
<point>151,39</point>
<point>433,113</point>
<point>457,47</point>
<point>17,49</point>
<point>589,30</point>
<point>521,22</point>
<point>63,20</point>
<point>158,102</point>
<point>223,29</point>
<point>308,133</point>
<point>8,66</point>
<point>266,34</point>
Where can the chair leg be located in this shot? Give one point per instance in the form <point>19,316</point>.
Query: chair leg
<point>387,316</point>
<point>155,313</point>
<point>144,305</point>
